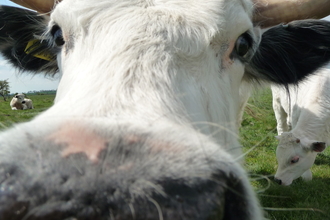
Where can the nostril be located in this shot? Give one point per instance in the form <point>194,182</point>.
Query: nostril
<point>16,211</point>
<point>278,181</point>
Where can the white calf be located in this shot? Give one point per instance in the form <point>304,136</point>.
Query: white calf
<point>303,124</point>
<point>18,102</point>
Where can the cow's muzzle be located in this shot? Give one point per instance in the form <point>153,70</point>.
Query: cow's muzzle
<point>278,181</point>
<point>131,176</point>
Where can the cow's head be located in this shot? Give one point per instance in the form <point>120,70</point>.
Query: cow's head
<point>19,98</point>
<point>155,135</point>
<point>295,157</point>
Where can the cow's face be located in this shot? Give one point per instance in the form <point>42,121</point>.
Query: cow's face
<point>295,156</point>
<point>156,60</point>
<point>141,85</point>
<point>144,122</point>
<point>19,98</point>
<point>160,62</point>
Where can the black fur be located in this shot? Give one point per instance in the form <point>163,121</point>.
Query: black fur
<point>288,53</point>
<point>18,27</point>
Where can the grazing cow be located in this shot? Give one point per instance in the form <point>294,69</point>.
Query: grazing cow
<point>303,124</point>
<point>161,142</point>
<point>21,103</point>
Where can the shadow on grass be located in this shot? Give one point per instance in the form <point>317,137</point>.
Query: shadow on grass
<point>322,159</point>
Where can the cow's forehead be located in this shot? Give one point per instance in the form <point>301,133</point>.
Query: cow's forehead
<point>200,5</point>
<point>225,16</point>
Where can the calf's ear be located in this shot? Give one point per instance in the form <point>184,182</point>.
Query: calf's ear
<point>318,146</point>
<point>312,145</point>
<point>21,40</point>
<point>288,53</point>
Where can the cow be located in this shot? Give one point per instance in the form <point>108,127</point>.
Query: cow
<point>303,124</point>
<point>20,102</point>
<point>17,102</point>
<point>144,121</point>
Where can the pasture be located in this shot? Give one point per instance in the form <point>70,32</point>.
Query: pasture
<point>300,201</point>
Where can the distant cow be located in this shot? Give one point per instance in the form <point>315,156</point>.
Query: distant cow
<point>20,103</point>
<point>303,124</point>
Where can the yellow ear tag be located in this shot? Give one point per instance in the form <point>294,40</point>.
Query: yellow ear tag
<point>31,45</point>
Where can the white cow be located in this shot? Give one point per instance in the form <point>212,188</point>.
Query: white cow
<point>144,121</point>
<point>20,102</point>
<point>303,124</point>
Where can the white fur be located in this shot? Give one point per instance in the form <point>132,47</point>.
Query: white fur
<point>28,103</point>
<point>190,85</point>
<point>302,120</point>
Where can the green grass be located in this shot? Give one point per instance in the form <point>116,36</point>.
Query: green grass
<point>307,200</point>
<point>300,201</point>
<point>9,117</point>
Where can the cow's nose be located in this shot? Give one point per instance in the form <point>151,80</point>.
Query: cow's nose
<point>278,181</point>
<point>128,198</point>
<point>136,176</point>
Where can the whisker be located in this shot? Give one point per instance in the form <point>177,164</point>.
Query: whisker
<point>294,209</point>
<point>160,213</point>
<point>131,207</point>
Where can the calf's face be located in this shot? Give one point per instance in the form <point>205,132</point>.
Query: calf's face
<point>295,157</point>
<point>143,125</point>
<point>19,98</point>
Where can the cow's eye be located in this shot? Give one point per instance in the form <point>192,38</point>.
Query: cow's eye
<point>57,34</point>
<point>243,44</point>
<point>294,160</point>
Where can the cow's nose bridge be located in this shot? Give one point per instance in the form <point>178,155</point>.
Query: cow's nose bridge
<point>80,138</point>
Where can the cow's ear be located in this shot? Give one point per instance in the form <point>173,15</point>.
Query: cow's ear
<point>288,53</point>
<point>22,43</point>
<point>312,145</point>
<point>318,146</point>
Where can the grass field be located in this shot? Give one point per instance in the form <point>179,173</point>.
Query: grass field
<point>300,201</point>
